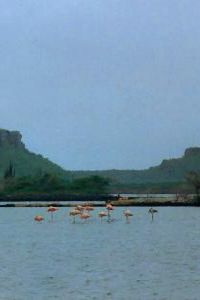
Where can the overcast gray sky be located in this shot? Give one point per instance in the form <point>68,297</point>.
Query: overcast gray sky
<point>99,84</point>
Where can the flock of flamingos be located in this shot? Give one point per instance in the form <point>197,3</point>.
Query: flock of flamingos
<point>83,212</point>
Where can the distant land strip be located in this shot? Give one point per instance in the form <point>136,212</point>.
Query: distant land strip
<point>97,201</point>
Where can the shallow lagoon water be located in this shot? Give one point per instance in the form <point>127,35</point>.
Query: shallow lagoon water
<point>142,260</point>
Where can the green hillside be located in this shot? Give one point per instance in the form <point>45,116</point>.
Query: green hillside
<point>173,170</point>
<point>25,163</point>
<point>169,174</point>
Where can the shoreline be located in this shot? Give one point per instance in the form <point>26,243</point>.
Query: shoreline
<point>103,203</point>
<point>66,200</point>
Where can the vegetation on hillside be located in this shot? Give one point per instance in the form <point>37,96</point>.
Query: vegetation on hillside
<point>92,184</point>
<point>27,163</point>
<point>23,171</point>
<point>44,182</point>
<point>51,183</point>
<point>171,171</point>
<point>193,179</point>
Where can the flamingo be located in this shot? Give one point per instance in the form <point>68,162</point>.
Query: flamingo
<point>74,213</point>
<point>109,207</point>
<point>152,211</point>
<point>52,209</point>
<point>84,216</point>
<point>102,214</point>
<point>80,208</point>
<point>127,214</point>
<point>38,218</point>
<point>88,208</point>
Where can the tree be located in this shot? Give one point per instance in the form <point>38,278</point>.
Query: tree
<point>50,182</point>
<point>194,179</point>
<point>90,185</point>
<point>9,172</point>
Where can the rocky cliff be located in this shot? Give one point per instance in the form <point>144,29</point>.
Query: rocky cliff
<point>193,151</point>
<point>26,163</point>
<point>11,138</point>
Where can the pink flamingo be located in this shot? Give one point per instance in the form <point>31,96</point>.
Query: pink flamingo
<point>84,216</point>
<point>38,218</point>
<point>52,209</point>
<point>80,208</point>
<point>88,208</point>
<point>102,214</point>
<point>127,214</point>
<point>109,207</point>
<point>75,212</point>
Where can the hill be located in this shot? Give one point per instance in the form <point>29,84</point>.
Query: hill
<point>168,177</point>
<point>26,163</point>
<point>172,170</point>
<point>162,178</point>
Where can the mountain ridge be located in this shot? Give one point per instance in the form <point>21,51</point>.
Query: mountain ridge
<point>27,163</point>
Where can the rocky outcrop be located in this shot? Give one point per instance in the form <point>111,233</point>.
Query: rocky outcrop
<point>11,138</point>
<point>14,152</point>
<point>193,151</point>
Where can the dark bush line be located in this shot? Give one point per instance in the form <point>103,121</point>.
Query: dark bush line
<point>55,197</point>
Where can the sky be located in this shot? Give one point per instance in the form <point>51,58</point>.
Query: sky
<point>101,84</point>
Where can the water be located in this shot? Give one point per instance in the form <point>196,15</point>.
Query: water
<point>143,260</point>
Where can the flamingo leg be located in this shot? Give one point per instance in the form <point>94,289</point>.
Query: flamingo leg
<point>109,216</point>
